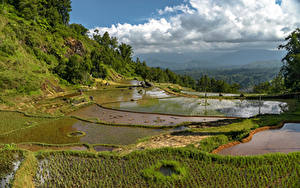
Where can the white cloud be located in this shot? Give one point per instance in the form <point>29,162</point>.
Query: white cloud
<point>179,8</point>
<point>201,25</point>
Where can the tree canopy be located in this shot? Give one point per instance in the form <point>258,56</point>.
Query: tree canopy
<point>54,11</point>
<point>291,67</point>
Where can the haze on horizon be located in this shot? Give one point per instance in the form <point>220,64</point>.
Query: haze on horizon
<point>193,29</point>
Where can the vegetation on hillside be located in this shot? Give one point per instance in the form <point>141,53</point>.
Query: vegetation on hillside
<point>39,49</point>
<point>288,79</point>
<point>246,77</point>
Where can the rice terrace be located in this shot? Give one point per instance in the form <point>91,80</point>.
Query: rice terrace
<point>192,96</point>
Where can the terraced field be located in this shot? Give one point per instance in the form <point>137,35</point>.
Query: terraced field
<point>103,147</point>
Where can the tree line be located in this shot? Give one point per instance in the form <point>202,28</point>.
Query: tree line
<point>288,79</point>
<point>102,52</point>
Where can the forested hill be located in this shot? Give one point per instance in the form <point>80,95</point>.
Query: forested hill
<point>38,49</point>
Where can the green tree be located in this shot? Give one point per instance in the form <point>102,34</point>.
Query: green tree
<point>80,29</point>
<point>291,62</point>
<point>125,51</point>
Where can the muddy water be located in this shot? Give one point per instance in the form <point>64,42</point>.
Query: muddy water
<point>56,132</point>
<point>103,148</point>
<point>167,170</point>
<point>126,94</point>
<point>119,117</point>
<point>284,140</point>
<point>202,107</point>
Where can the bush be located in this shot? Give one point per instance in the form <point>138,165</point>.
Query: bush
<point>211,143</point>
<point>7,49</point>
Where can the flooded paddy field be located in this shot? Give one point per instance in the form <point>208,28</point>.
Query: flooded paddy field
<point>13,121</point>
<point>135,118</point>
<point>35,147</point>
<point>202,94</point>
<point>197,169</point>
<point>10,162</point>
<point>126,94</point>
<point>202,107</point>
<point>57,131</point>
<point>284,140</point>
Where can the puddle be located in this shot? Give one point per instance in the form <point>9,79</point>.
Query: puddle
<point>5,182</point>
<point>133,118</point>
<point>103,148</point>
<point>56,132</point>
<point>203,107</point>
<point>282,140</point>
<point>168,170</point>
<point>76,134</point>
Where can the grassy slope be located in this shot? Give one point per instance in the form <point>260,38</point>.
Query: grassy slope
<point>28,53</point>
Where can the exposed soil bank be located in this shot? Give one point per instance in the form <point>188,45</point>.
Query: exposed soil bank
<point>169,140</point>
<point>282,138</point>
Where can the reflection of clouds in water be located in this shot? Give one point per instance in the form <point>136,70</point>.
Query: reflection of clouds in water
<point>252,108</point>
<point>157,93</point>
<point>236,108</point>
<point>209,94</point>
<point>291,127</point>
<point>152,93</point>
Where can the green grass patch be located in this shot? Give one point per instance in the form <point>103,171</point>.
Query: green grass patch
<point>13,121</point>
<point>69,168</point>
<point>165,170</point>
<point>211,143</point>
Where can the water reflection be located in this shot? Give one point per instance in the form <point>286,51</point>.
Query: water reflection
<point>282,140</point>
<point>203,107</point>
<point>202,94</point>
<point>56,132</point>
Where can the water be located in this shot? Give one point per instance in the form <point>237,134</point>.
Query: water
<point>133,118</point>
<point>6,180</point>
<point>203,107</point>
<point>126,94</point>
<point>103,148</point>
<point>284,140</point>
<point>56,132</point>
<point>167,170</point>
<point>202,94</point>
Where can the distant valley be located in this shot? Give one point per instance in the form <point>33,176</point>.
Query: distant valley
<point>245,67</point>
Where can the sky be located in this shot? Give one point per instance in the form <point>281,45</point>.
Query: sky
<point>181,26</point>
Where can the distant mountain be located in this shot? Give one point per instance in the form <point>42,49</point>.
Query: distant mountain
<point>246,75</point>
<point>212,59</point>
<point>263,65</point>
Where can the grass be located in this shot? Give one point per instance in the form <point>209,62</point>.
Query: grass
<point>23,177</point>
<point>12,121</point>
<point>7,157</point>
<point>153,173</point>
<point>204,170</point>
<point>193,166</point>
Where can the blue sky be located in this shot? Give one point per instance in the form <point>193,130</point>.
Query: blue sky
<point>181,26</point>
<point>104,13</point>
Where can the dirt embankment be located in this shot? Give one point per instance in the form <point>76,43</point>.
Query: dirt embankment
<point>169,140</point>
